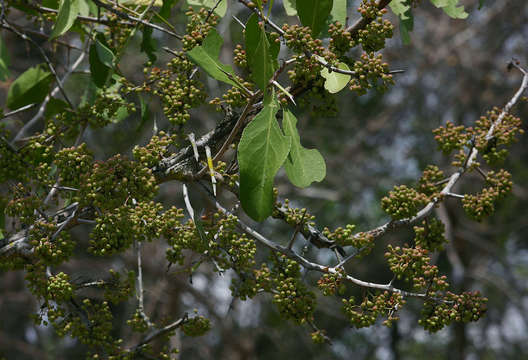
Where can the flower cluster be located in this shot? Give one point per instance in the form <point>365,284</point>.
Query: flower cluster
<point>115,182</point>
<point>428,183</point>
<point>466,307</point>
<point>482,204</point>
<point>345,237</point>
<point>291,294</point>
<point>199,24</point>
<point>196,326</point>
<point>156,150</point>
<point>430,235</point>
<point>372,36</point>
<point>23,204</point>
<point>370,72</point>
<point>403,202</point>
<point>73,164</point>
<point>413,265</point>
<point>372,307</point>
<point>330,284</point>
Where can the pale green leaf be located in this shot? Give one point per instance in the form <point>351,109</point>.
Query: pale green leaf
<point>456,12</point>
<point>30,87</point>
<point>106,56</point>
<point>400,7</point>
<point>289,7</point>
<point>68,11</point>
<point>4,61</point>
<point>451,8</point>
<point>262,150</point>
<point>334,81</point>
<point>314,13</point>
<point>339,11</point>
<point>206,56</point>
<point>220,10</point>
<point>303,166</point>
<point>259,53</point>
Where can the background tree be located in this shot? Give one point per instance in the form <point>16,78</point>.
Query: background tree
<point>64,180</point>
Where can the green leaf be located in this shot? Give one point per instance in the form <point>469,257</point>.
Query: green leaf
<point>30,87</point>
<point>145,113</point>
<point>68,11</point>
<point>165,10</point>
<point>148,44</point>
<point>303,166</point>
<point>334,81</point>
<point>4,61</point>
<point>262,150</point>
<point>260,55</point>
<point>406,26</point>
<point>55,106</point>
<point>400,7</point>
<point>481,4</point>
<point>106,56</point>
<point>220,10</point>
<point>206,56</point>
<point>290,7</point>
<point>314,13</point>
<point>99,71</point>
<point>339,11</point>
<point>84,8</point>
<point>451,8</point>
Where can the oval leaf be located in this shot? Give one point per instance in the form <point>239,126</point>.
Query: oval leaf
<point>261,152</point>
<point>30,87</point>
<point>100,72</point>
<point>261,57</point>
<point>314,13</point>
<point>335,81</point>
<point>68,11</point>
<point>206,56</point>
<point>303,166</point>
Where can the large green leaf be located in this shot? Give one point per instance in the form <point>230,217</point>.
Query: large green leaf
<point>339,11</point>
<point>30,87</point>
<point>4,61</point>
<point>220,10</point>
<point>334,81</point>
<point>451,8</point>
<point>68,11</point>
<point>261,57</point>
<point>262,150</point>
<point>206,56</point>
<point>303,166</point>
<point>314,13</point>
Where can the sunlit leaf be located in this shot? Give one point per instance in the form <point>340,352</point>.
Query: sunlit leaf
<point>303,166</point>
<point>68,11</point>
<point>451,8</point>
<point>289,7</point>
<point>339,11</point>
<point>30,87</point>
<point>334,81</point>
